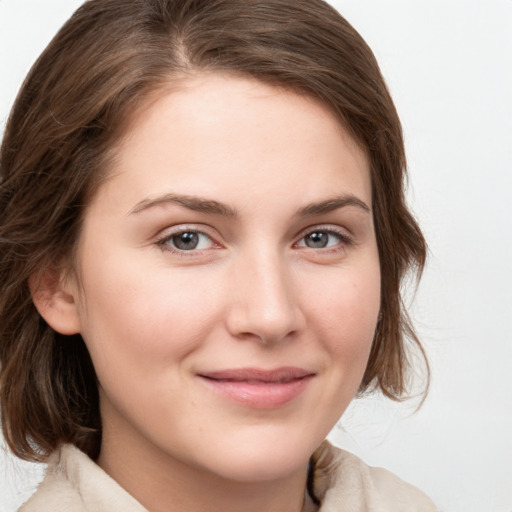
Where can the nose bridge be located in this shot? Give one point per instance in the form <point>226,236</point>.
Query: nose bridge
<point>265,303</point>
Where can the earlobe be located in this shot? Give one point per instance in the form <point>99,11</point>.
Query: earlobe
<point>56,301</point>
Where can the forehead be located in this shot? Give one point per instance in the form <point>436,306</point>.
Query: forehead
<point>219,133</point>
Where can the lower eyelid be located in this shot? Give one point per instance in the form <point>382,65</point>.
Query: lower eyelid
<point>163,241</point>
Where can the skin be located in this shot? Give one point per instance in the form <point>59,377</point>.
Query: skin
<point>256,292</point>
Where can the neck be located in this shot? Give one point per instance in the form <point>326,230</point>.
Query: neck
<point>163,483</point>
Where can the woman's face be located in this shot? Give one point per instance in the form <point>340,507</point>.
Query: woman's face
<point>229,280</point>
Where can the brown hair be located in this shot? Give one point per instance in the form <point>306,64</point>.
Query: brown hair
<point>59,138</point>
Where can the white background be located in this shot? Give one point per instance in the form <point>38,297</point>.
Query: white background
<point>449,66</point>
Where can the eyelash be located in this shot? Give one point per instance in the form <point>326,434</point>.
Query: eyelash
<point>163,242</point>
<point>344,240</point>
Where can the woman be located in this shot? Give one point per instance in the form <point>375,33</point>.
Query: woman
<point>203,237</point>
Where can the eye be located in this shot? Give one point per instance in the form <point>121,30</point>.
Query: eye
<point>322,239</point>
<point>188,240</point>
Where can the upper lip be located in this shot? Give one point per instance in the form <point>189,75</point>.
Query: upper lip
<point>277,375</point>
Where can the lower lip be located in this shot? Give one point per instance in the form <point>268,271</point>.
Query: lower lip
<point>260,395</point>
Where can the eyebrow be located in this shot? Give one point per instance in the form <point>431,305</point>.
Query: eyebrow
<point>197,204</point>
<point>332,204</point>
<point>210,206</point>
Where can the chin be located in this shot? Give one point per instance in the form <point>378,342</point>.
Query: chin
<point>262,460</point>
<point>272,467</point>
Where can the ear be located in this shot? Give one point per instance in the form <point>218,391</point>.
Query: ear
<point>55,299</point>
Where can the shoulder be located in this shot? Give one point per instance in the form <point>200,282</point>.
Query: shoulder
<point>74,483</point>
<point>342,482</point>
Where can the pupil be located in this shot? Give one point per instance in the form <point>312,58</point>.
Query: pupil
<point>317,240</point>
<point>186,241</point>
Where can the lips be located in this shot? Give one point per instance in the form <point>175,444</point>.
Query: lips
<point>259,388</point>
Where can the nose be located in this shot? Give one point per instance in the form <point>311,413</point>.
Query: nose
<point>265,304</point>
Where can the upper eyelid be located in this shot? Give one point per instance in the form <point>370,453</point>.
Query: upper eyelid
<point>330,228</point>
<point>183,228</point>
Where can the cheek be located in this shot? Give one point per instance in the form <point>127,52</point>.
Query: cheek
<point>143,318</point>
<point>347,315</point>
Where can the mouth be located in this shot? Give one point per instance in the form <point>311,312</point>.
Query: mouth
<point>259,388</point>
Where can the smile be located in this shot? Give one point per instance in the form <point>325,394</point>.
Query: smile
<point>259,389</point>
